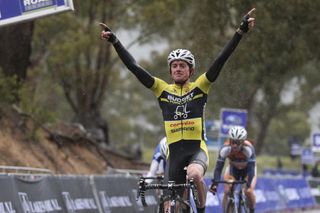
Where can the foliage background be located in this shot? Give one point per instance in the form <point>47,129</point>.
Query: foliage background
<point>73,76</point>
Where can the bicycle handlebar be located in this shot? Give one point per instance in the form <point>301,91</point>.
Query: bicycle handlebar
<point>231,182</point>
<point>152,178</point>
<point>171,186</point>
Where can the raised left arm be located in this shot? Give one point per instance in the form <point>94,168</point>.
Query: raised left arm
<point>247,23</point>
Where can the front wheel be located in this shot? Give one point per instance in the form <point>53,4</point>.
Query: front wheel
<point>160,208</point>
<point>243,209</point>
<point>231,207</point>
<point>242,206</point>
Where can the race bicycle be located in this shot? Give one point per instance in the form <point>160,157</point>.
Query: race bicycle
<point>237,202</point>
<point>177,203</point>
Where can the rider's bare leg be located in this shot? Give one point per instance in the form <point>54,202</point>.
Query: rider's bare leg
<point>251,198</point>
<point>196,171</point>
<point>226,187</point>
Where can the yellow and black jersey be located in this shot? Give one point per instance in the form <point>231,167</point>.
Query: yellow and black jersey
<point>183,109</point>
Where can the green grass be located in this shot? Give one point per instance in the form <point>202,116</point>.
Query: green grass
<point>263,161</point>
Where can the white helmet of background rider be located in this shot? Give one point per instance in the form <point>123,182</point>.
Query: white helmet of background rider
<point>182,54</point>
<point>163,147</point>
<point>237,133</point>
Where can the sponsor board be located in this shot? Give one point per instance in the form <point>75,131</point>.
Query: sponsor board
<point>13,11</point>
<point>232,117</point>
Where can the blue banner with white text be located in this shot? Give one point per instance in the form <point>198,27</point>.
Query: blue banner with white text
<point>13,11</point>
<point>272,194</point>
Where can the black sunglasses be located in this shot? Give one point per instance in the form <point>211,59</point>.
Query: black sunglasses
<point>237,142</point>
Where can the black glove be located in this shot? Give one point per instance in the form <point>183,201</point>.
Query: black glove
<point>213,187</point>
<point>113,38</point>
<point>244,25</point>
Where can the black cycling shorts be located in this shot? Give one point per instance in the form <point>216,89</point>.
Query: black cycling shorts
<point>181,154</point>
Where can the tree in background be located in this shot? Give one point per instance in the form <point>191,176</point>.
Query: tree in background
<point>15,52</point>
<point>79,61</point>
<point>68,60</point>
<point>257,76</point>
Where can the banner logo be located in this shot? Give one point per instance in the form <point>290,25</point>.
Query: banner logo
<point>109,202</point>
<point>232,117</point>
<point>28,206</point>
<point>30,5</point>
<point>7,207</point>
<point>78,204</point>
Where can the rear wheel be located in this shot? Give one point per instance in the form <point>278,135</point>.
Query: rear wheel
<point>183,207</point>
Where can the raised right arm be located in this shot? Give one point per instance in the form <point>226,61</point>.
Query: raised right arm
<point>143,76</point>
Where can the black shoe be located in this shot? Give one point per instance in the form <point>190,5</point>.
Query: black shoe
<point>201,210</point>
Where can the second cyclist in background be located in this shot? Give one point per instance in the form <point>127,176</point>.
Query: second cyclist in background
<point>242,164</point>
<point>158,162</point>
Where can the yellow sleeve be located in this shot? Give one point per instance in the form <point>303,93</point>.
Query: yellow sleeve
<point>203,83</point>
<point>158,86</point>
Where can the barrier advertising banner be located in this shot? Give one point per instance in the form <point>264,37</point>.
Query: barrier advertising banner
<point>77,194</point>
<point>315,140</point>
<point>31,195</point>
<point>119,195</point>
<point>12,11</point>
<point>272,194</point>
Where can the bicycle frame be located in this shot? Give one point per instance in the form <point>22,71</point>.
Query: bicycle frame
<point>233,205</point>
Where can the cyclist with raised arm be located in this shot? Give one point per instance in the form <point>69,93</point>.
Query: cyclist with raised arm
<point>158,162</point>
<point>242,164</point>
<point>183,103</point>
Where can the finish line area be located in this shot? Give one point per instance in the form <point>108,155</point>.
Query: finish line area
<point>26,189</point>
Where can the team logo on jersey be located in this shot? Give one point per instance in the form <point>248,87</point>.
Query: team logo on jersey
<point>180,100</point>
<point>181,112</point>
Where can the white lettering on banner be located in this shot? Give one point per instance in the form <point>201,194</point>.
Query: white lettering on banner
<point>272,195</point>
<point>150,199</point>
<point>212,200</point>
<point>139,203</point>
<point>305,193</point>
<point>79,203</point>
<point>6,207</point>
<point>292,194</point>
<point>260,197</point>
<point>35,4</point>
<point>114,201</point>
<point>37,206</point>
<point>31,2</point>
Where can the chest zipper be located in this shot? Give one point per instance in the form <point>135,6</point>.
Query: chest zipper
<point>181,118</point>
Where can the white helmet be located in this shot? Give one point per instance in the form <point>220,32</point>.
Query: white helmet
<point>163,147</point>
<point>237,133</point>
<point>182,54</point>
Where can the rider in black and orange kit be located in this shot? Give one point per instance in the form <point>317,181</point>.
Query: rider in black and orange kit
<point>242,164</point>
<point>182,104</point>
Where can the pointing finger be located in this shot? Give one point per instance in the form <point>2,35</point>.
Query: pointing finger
<point>251,11</point>
<point>105,27</point>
